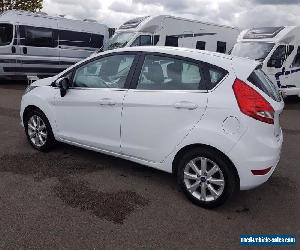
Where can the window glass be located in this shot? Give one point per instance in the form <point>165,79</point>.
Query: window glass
<point>76,39</point>
<point>119,40</point>
<point>156,39</point>
<point>253,50</point>
<point>163,73</point>
<point>280,55</point>
<point>142,40</point>
<point>200,45</point>
<point>296,62</point>
<point>6,34</point>
<point>108,72</point>
<point>216,75</point>
<point>38,37</point>
<point>96,41</point>
<point>172,41</point>
<point>259,79</point>
<point>221,47</point>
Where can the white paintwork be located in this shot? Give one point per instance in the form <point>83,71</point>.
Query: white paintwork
<point>165,25</point>
<point>56,57</point>
<point>147,128</point>
<point>289,81</point>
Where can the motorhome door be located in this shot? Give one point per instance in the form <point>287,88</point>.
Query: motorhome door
<point>278,65</point>
<point>8,49</point>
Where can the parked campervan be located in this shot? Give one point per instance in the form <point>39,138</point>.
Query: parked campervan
<point>278,49</point>
<point>41,45</point>
<point>166,30</point>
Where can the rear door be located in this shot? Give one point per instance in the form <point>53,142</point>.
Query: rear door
<point>167,100</point>
<point>39,50</point>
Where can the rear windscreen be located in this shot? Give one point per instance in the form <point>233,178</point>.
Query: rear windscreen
<point>259,79</point>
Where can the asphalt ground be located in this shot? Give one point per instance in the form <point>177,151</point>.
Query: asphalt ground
<point>72,198</point>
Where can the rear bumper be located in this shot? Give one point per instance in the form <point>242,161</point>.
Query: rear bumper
<point>256,154</point>
<point>291,91</point>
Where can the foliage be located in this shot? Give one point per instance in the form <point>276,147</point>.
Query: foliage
<point>32,5</point>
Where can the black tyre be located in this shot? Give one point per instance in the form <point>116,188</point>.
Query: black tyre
<point>38,130</point>
<point>206,177</point>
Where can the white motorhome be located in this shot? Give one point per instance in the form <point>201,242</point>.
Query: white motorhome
<point>278,49</point>
<point>166,30</point>
<point>41,45</point>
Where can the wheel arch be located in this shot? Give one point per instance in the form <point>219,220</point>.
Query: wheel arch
<point>186,148</point>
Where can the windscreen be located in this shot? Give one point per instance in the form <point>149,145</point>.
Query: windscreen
<point>119,40</point>
<point>259,79</point>
<point>253,50</point>
<point>6,34</point>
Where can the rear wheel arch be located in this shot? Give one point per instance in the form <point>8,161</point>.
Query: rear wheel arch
<point>187,148</point>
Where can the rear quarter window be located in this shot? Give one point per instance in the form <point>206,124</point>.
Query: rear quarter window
<point>260,80</point>
<point>215,76</point>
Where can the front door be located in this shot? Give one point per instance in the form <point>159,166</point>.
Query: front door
<point>90,113</point>
<point>169,99</point>
<point>8,49</point>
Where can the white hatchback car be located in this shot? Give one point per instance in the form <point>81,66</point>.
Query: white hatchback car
<point>211,119</point>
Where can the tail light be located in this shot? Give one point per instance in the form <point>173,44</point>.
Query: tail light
<point>252,103</point>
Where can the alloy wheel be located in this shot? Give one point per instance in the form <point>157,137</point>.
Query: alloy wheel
<point>204,179</point>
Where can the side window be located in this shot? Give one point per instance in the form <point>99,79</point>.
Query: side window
<point>96,41</point>
<point>107,72</point>
<point>142,40</point>
<point>164,73</point>
<point>76,39</point>
<point>171,41</point>
<point>221,47</point>
<point>279,56</point>
<point>216,75</point>
<point>156,39</point>
<point>296,62</point>
<point>6,34</point>
<point>38,37</point>
<point>200,45</point>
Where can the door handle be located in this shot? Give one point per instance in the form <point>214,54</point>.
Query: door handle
<point>24,50</point>
<point>185,105</point>
<point>107,102</point>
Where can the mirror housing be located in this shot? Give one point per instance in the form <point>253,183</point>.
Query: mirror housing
<point>64,85</point>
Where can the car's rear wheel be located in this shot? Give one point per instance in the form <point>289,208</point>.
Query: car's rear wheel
<point>206,177</point>
<point>38,130</point>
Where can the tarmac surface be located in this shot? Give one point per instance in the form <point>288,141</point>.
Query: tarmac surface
<point>72,198</point>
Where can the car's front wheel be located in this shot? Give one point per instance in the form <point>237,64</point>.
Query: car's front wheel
<point>38,130</point>
<point>206,177</point>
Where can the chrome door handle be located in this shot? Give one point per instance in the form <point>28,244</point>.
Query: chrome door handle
<point>185,105</point>
<point>107,102</point>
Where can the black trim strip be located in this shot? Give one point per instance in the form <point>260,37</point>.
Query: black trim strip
<point>194,35</point>
<point>8,61</point>
<point>33,70</point>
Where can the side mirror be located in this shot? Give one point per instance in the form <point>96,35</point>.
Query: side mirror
<point>64,85</point>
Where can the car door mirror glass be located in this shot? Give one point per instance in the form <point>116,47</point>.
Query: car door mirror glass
<point>64,85</point>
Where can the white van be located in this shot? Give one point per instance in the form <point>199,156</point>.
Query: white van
<point>41,45</point>
<point>172,31</point>
<point>278,49</point>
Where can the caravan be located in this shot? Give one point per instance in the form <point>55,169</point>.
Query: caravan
<point>174,31</point>
<point>35,44</point>
<point>278,49</point>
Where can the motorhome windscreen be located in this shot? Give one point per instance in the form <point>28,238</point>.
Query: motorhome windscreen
<point>253,50</point>
<point>119,40</point>
<point>6,34</point>
<point>133,23</point>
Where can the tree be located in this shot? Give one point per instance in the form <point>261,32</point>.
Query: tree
<point>32,5</point>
